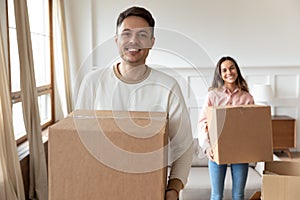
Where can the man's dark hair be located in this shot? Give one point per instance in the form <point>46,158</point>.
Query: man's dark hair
<point>136,11</point>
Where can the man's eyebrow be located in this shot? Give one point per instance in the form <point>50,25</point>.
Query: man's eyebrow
<point>143,30</point>
<point>137,30</point>
<point>126,29</point>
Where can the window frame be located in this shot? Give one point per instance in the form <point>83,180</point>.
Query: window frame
<point>41,90</point>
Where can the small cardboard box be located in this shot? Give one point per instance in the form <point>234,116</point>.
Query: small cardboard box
<point>240,134</point>
<point>256,196</point>
<point>108,155</point>
<point>281,180</point>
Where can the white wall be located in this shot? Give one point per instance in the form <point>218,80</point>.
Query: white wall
<point>262,33</point>
<point>263,36</point>
<point>79,31</point>
<point>258,33</point>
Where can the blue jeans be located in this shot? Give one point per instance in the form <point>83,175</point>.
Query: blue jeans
<point>239,173</point>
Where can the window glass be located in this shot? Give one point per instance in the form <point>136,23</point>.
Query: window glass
<point>18,122</point>
<point>14,61</point>
<point>38,12</point>
<point>45,108</point>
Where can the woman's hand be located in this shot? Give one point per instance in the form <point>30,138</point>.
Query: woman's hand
<point>171,195</point>
<point>209,153</point>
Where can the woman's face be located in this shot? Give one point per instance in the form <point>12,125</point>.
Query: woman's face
<point>228,72</point>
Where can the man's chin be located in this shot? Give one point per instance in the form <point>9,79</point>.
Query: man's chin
<point>133,62</point>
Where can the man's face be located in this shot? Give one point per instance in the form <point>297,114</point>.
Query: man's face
<point>134,39</point>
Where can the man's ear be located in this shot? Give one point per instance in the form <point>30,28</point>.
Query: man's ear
<point>116,38</point>
<point>152,42</point>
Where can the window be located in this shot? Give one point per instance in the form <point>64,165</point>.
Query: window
<point>40,27</point>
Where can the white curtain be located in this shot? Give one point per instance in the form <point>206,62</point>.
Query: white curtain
<point>62,76</point>
<point>11,184</point>
<point>38,187</point>
<point>75,28</point>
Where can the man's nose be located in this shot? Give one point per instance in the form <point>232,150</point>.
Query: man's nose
<point>134,38</point>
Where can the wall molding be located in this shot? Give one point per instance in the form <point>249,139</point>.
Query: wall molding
<point>285,82</point>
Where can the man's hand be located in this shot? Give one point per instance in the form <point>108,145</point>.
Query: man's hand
<point>171,195</point>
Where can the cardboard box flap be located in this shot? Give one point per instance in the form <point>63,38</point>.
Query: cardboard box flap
<point>236,113</point>
<point>286,168</point>
<point>106,135</point>
<point>119,114</point>
<point>240,106</point>
<point>94,127</point>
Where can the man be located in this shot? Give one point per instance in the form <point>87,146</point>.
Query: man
<point>133,86</point>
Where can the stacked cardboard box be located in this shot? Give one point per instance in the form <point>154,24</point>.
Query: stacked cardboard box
<point>281,180</point>
<point>240,134</point>
<point>108,155</point>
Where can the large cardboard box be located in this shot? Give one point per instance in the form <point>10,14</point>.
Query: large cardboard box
<point>240,134</point>
<point>108,155</point>
<point>281,180</point>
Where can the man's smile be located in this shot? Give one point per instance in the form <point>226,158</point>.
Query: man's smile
<point>133,50</point>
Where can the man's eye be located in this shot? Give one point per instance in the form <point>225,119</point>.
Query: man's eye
<point>143,35</point>
<point>126,34</point>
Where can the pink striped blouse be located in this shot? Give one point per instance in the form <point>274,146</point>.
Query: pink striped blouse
<point>219,97</point>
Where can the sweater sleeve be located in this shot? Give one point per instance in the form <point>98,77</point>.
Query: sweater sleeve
<point>180,170</point>
<point>203,137</point>
<point>181,139</point>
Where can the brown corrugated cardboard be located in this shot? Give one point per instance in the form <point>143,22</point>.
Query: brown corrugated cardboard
<point>281,180</point>
<point>108,155</point>
<point>256,196</point>
<point>240,134</point>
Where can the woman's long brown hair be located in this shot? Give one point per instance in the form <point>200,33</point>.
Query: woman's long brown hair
<point>219,82</point>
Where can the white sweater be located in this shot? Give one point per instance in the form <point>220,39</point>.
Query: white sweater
<point>103,89</point>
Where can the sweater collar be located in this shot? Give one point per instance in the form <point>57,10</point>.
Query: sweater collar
<point>121,78</point>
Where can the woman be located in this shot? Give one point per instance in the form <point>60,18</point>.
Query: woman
<point>228,88</point>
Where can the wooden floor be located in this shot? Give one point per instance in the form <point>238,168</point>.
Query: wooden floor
<point>284,156</point>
